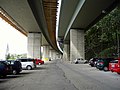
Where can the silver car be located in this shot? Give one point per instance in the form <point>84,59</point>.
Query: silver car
<point>80,61</point>
<point>27,63</point>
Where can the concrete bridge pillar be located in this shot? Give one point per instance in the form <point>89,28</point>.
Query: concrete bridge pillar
<point>34,45</point>
<point>58,56</point>
<point>66,51</point>
<point>54,54</point>
<point>45,54</point>
<point>76,44</point>
<point>50,53</point>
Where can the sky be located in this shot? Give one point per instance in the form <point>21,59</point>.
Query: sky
<point>9,36</point>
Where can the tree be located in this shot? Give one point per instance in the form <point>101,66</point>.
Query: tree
<point>7,56</point>
<point>102,40</point>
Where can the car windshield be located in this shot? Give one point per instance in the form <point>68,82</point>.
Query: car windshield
<point>114,61</point>
<point>99,60</point>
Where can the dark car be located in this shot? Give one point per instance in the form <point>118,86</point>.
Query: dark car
<point>93,61</point>
<point>16,66</point>
<point>103,63</point>
<point>3,69</point>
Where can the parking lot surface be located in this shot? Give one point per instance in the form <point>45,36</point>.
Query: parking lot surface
<point>44,77</point>
<point>58,75</point>
<point>85,77</point>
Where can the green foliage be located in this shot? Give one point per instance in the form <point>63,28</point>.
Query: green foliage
<point>8,56</point>
<point>101,39</point>
<point>15,56</point>
<point>108,52</point>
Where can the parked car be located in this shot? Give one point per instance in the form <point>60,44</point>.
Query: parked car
<point>27,63</point>
<point>16,66</point>
<point>39,61</point>
<point>3,69</point>
<point>93,62</point>
<point>114,65</point>
<point>12,67</point>
<point>103,63</point>
<point>80,61</point>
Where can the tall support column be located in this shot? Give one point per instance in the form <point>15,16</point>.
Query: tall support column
<point>50,53</point>
<point>45,55</point>
<point>34,45</point>
<point>76,44</point>
<point>66,52</point>
<point>54,54</point>
<point>59,56</point>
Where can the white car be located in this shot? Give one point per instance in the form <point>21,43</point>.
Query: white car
<point>80,61</point>
<point>27,63</point>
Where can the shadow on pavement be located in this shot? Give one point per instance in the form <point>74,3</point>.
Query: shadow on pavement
<point>3,88</point>
<point>40,68</point>
<point>8,77</point>
<point>2,80</point>
<point>24,73</point>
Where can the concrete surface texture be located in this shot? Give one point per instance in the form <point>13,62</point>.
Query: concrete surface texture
<point>56,75</point>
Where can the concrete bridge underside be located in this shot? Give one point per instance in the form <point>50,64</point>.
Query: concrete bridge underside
<point>38,17</point>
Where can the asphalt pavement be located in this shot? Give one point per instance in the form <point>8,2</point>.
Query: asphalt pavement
<point>58,75</point>
<point>85,77</point>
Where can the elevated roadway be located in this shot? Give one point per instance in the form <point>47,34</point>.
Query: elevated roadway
<point>81,15</point>
<point>38,16</point>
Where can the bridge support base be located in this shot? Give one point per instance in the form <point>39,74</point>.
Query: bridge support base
<point>66,51</point>
<point>34,45</point>
<point>76,44</point>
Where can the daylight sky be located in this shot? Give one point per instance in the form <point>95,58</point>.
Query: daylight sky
<point>17,42</point>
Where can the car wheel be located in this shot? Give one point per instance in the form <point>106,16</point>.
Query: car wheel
<point>76,62</point>
<point>14,72</point>
<point>118,73</point>
<point>99,68</point>
<point>29,67</point>
<point>105,68</point>
<point>3,76</point>
<point>18,72</point>
<point>92,65</point>
<point>39,63</point>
